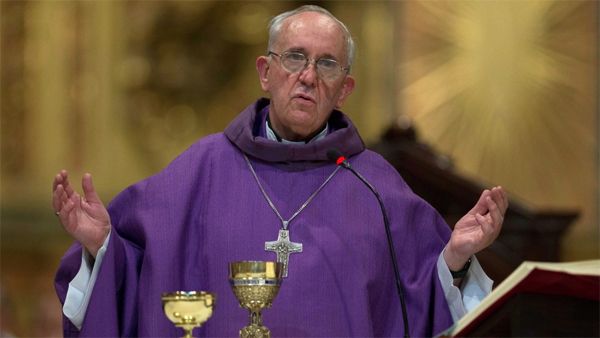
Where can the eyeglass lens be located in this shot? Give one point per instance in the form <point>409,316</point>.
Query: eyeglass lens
<point>295,62</point>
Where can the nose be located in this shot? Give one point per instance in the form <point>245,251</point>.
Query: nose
<point>308,75</point>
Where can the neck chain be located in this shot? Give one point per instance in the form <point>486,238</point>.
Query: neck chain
<point>283,247</point>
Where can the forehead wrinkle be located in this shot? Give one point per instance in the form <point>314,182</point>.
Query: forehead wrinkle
<point>312,23</point>
<point>322,21</point>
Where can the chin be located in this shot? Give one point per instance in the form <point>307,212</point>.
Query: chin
<point>300,129</point>
<point>304,120</point>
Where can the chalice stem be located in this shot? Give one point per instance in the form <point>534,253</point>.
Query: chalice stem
<point>256,318</point>
<point>187,334</point>
<point>255,329</point>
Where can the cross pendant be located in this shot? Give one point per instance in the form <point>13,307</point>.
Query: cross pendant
<point>283,248</point>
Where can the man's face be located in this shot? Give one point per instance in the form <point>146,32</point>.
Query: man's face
<point>302,102</point>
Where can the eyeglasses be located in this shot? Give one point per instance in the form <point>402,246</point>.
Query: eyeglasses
<point>294,62</point>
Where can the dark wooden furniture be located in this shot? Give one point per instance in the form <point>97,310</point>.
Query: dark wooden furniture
<point>527,234</point>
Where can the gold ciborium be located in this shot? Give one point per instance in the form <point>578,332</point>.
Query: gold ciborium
<point>188,309</point>
<point>255,285</point>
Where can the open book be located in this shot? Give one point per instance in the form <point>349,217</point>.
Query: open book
<point>579,279</point>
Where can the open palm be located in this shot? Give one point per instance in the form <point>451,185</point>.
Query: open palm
<point>85,217</point>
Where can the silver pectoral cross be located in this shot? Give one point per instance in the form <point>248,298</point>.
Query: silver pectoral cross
<point>283,248</point>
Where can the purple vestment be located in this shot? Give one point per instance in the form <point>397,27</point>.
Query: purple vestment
<point>179,229</point>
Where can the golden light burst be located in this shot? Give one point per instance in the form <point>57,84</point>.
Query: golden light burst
<point>508,90</point>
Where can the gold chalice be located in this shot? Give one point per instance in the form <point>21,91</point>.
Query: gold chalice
<point>255,285</point>
<point>188,309</point>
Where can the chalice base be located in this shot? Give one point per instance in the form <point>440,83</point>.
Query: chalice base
<point>255,331</point>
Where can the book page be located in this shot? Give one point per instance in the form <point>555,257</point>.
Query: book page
<point>584,268</point>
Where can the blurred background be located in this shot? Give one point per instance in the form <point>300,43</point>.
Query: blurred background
<point>505,90</point>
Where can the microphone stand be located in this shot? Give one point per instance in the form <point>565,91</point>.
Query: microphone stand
<point>341,160</point>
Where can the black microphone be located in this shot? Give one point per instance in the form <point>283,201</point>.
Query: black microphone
<point>336,156</point>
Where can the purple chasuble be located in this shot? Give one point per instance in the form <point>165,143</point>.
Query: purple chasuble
<point>179,229</point>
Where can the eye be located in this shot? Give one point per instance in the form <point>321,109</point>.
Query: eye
<point>327,64</point>
<point>296,57</point>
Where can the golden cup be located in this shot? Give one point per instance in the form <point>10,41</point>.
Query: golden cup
<point>255,285</point>
<point>188,309</point>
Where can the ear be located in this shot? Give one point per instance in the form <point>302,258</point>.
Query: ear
<point>262,67</point>
<point>347,88</point>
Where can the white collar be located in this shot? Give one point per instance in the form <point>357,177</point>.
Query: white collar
<point>271,135</point>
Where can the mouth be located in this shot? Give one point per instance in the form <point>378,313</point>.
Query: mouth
<point>304,98</point>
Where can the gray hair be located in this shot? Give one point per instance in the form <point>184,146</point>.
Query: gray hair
<point>277,22</point>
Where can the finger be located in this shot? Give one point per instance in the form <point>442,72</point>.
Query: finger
<point>57,197</point>
<point>68,188</point>
<point>496,198</point>
<point>74,202</point>
<point>75,205</point>
<point>499,196</point>
<point>58,179</point>
<point>88,189</point>
<point>482,221</point>
<point>481,206</point>
<point>63,197</point>
<point>504,198</point>
<point>65,213</point>
<point>494,212</point>
<point>487,232</point>
<point>486,225</point>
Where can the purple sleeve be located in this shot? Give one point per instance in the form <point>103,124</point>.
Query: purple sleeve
<point>112,308</point>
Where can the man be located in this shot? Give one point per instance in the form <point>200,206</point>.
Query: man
<point>231,194</point>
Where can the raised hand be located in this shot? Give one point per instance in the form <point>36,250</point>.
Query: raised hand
<point>477,229</point>
<point>85,217</point>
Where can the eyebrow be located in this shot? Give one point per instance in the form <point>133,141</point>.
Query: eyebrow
<point>303,51</point>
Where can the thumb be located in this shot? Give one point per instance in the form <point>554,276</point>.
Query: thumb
<point>88,189</point>
<point>481,206</point>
